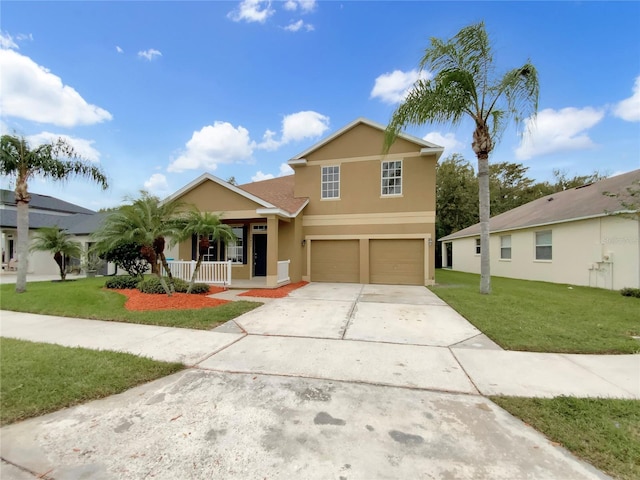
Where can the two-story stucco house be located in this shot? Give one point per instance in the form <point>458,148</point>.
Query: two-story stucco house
<point>347,214</point>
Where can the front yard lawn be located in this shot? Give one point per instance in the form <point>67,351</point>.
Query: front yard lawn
<point>603,432</point>
<point>39,378</point>
<point>86,298</point>
<point>544,317</point>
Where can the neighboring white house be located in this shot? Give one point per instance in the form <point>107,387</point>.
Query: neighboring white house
<point>582,236</point>
<point>44,211</point>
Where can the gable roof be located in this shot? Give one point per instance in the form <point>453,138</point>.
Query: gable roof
<point>588,201</point>
<point>279,192</point>
<point>427,147</point>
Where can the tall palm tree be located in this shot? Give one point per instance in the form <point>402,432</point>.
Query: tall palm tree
<point>465,85</point>
<point>203,225</point>
<point>148,222</point>
<point>58,242</point>
<point>58,161</point>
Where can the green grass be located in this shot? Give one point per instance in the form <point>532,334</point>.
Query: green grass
<point>39,378</point>
<point>544,317</point>
<point>603,432</point>
<point>86,298</point>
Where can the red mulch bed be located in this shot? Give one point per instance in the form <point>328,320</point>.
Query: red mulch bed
<point>138,301</point>
<point>273,292</point>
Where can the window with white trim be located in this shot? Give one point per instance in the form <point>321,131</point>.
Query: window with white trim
<point>477,246</point>
<point>331,182</point>
<point>544,245</point>
<point>235,250</point>
<point>505,247</point>
<point>392,178</point>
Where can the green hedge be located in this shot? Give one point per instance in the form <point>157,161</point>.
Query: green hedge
<point>153,285</point>
<point>122,282</point>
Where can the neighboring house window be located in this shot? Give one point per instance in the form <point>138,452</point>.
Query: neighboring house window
<point>505,247</point>
<point>331,182</point>
<point>543,245</point>
<point>235,249</point>
<point>477,246</point>
<point>392,178</point>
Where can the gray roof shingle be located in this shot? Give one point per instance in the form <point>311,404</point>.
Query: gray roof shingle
<point>592,200</point>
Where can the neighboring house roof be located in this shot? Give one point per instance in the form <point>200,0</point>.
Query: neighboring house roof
<point>80,224</point>
<point>428,147</point>
<point>43,202</point>
<point>588,201</point>
<point>279,192</point>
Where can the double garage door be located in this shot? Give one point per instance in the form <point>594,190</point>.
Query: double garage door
<point>391,261</point>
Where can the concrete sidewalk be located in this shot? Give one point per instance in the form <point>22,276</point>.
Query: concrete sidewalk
<point>335,381</point>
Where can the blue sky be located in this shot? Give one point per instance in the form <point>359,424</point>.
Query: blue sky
<point>159,92</point>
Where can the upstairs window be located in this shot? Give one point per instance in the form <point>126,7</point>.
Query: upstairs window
<point>543,245</point>
<point>331,182</point>
<point>392,178</point>
<point>505,247</point>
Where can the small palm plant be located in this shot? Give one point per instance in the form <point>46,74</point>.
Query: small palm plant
<point>204,225</point>
<point>58,242</point>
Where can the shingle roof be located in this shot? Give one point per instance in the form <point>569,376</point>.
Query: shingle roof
<point>43,202</point>
<point>592,200</point>
<point>278,192</point>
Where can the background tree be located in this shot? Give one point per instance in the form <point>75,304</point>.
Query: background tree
<point>147,222</point>
<point>57,161</point>
<point>203,225</point>
<point>465,85</point>
<point>126,255</point>
<point>58,242</point>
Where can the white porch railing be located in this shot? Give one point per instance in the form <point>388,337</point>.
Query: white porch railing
<point>210,272</point>
<point>283,271</point>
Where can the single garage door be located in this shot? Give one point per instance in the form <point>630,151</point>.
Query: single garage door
<point>396,262</point>
<point>335,261</point>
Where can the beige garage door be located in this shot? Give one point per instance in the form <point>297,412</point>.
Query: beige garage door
<point>335,261</point>
<point>396,262</point>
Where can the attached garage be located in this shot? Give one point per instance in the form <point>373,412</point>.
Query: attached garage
<point>335,261</point>
<point>396,262</point>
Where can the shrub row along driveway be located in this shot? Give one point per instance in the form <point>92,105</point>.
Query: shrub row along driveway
<point>335,381</point>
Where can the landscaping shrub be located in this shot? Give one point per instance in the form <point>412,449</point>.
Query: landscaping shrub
<point>122,282</point>
<point>153,285</point>
<point>630,292</point>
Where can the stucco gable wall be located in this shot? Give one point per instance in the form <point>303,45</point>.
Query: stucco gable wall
<point>360,141</point>
<point>212,197</point>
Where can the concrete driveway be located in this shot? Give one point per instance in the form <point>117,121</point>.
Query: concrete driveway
<point>337,381</point>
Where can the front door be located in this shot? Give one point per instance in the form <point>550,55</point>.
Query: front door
<point>260,255</point>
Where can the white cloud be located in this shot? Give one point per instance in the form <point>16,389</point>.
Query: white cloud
<point>24,36</point>
<point>393,87</point>
<point>259,176</point>
<point>252,11</point>
<point>296,26</point>
<point>305,5</point>
<point>448,141</point>
<point>295,127</point>
<point>157,184</point>
<point>212,145</point>
<point>82,146</point>
<point>629,108</point>
<point>303,125</point>
<point>150,54</point>
<point>558,131</point>
<point>118,49</point>
<point>285,170</point>
<point>32,92</point>
<point>6,41</point>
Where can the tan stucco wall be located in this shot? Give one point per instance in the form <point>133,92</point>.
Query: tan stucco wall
<point>211,197</point>
<point>290,246</point>
<point>579,249</point>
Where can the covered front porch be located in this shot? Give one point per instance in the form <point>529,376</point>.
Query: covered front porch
<point>221,273</point>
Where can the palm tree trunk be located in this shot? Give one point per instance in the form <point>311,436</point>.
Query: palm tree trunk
<point>23,244</point>
<point>483,193</point>
<point>195,273</point>
<point>163,259</point>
